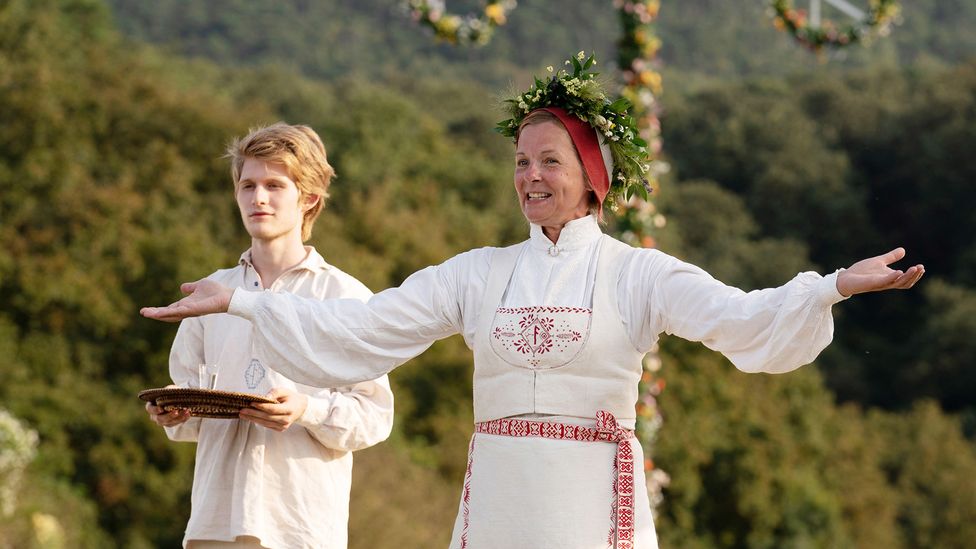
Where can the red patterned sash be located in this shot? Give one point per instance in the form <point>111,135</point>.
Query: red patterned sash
<point>606,430</point>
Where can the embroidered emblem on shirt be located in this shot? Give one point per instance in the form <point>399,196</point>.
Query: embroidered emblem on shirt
<point>526,334</point>
<point>254,374</point>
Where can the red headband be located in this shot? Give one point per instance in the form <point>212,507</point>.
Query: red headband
<point>588,147</point>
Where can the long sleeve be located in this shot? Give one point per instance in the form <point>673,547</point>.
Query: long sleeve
<point>774,330</point>
<point>351,418</point>
<point>338,342</point>
<point>185,356</point>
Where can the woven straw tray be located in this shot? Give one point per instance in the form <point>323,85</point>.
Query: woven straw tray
<point>201,402</point>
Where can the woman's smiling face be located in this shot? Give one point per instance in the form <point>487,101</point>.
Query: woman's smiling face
<point>549,177</point>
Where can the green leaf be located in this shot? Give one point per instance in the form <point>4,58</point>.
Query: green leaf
<point>642,191</point>
<point>620,105</point>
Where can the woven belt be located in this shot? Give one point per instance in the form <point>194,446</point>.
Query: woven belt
<point>606,430</point>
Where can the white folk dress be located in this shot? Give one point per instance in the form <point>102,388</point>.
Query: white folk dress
<point>558,332</point>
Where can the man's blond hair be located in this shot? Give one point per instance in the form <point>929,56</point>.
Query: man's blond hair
<point>301,151</point>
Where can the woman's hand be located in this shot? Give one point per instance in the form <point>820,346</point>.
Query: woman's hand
<point>204,297</point>
<point>874,275</point>
<point>280,416</point>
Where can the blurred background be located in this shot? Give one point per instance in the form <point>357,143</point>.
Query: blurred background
<point>113,118</point>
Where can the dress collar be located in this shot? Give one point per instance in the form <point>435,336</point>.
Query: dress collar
<point>575,235</point>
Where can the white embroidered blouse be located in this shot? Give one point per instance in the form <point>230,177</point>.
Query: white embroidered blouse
<point>337,342</point>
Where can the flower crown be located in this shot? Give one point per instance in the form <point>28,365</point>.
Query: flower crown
<point>581,95</point>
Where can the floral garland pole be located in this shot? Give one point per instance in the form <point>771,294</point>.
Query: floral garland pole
<point>816,35</point>
<point>457,29</point>
<point>637,219</point>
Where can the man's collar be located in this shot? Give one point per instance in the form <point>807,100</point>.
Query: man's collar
<point>313,260</point>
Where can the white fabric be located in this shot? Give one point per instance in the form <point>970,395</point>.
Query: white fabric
<point>336,342</point>
<point>514,504</point>
<point>341,341</point>
<point>287,489</point>
<point>242,542</point>
<point>535,492</point>
<point>588,376</point>
<point>540,338</point>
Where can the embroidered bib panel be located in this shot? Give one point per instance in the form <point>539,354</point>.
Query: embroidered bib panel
<point>554,360</point>
<point>540,338</point>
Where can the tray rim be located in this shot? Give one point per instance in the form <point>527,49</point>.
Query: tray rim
<point>150,395</point>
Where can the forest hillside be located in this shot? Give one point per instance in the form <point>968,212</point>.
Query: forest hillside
<point>113,118</point>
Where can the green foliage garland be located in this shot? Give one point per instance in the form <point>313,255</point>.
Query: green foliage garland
<point>877,21</point>
<point>456,29</point>
<point>581,94</point>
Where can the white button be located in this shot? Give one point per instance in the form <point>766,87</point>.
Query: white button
<point>553,250</point>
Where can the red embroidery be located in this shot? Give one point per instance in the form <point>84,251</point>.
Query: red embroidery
<point>500,334</point>
<point>535,334</point>
<point>607,430</point>
<point>625,496</point>
<point>572,336</point>
<point>466,494</point>
<point>523,310</point>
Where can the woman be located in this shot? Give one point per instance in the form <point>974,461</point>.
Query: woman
<point>558,325</point>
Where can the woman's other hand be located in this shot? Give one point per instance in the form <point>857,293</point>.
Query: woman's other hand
<point>874,275</point>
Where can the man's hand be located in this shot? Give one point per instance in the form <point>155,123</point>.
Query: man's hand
<point>874,275</point>
<point>166,419</point>
<point>280,416</point>
<point>204,297</point>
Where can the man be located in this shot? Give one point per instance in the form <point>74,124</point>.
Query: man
<point>279,476</point>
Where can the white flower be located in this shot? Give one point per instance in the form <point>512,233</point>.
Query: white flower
<point>573,85</point>
<point>549,68</point>
<point>652,363</point>
<point>581,55</point>
<point>659,167</point>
